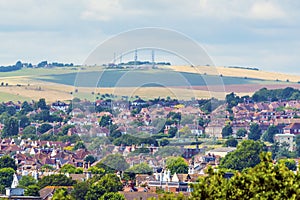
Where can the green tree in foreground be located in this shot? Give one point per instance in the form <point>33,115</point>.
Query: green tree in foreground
<point>264,181</point>
<point>112,195</point>
<point>80,190</point>
<point>62,194</point>
<point>246,155</point>
<point>32,190</point>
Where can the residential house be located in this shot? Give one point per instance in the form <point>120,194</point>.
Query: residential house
<point>286,139</point>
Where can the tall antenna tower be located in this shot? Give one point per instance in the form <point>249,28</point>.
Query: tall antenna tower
<point>135,57</point>
<point>153,58</point>
<point>114,58</point>
<point>121,58</point>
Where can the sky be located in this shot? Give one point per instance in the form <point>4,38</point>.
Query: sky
<point>252,33</point>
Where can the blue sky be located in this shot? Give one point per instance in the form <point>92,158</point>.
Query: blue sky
<point>263,34</point>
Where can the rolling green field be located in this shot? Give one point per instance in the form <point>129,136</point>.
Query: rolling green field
<point>155,78</point>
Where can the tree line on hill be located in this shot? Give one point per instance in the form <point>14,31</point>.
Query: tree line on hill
<point>264,94</point>
<point>19,65</point>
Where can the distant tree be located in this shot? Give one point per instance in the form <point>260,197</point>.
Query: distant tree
<point>11,127</point>
<point>25,108</point>
<point>231,142</point>
<point>7,162</point>
<point>11,110</point>
<point>226,131</point>
<point>55,180</point>
<point>71,169</point>
<point>168,151</point>
<point>24,121</point>
<point>297,141</point>
<point>177,165</point>
<point>164,142</point>
<point>241,132</point>
<point>268,136</point>
<point>29,130</point>
<point>26,181</point>
<point>105,121</point>
<point>79,145</point>
<point>254,132</point>
<point>172,132</point>
<point>246,155</point>
<point>42,104</point>
<point>91,159</point>
<point>44,128</point>
<point>96,170</point>
<point>142,168</point>
<point>113,162</point>
<point>6,176</point>
<point>66,128</point>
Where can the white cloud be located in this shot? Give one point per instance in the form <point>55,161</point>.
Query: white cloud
<point>266,10</point>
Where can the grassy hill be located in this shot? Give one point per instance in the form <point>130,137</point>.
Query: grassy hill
<point>181,82</point>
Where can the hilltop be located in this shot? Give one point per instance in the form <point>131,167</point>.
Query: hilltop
<point>57,83</point>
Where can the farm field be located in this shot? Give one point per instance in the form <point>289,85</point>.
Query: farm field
<point>181,82</point>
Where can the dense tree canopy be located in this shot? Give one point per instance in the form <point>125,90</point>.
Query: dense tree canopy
<point>55,180</point>
<point>226,131</point>
<point>177,165</point>
<point>241,132</point>
<point>11,127</point>
<point>268,136</point>
<point>231,142</point>
<point>6,176</point>
<point>246,155</point>
<point>264,181</point>
<point>254,132</point>
<point>6,161</point>
<point>273,95</point>
<point>26,181</point>
<point>113,162</point>
<point>142,168</point>
<point>68,168</point>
